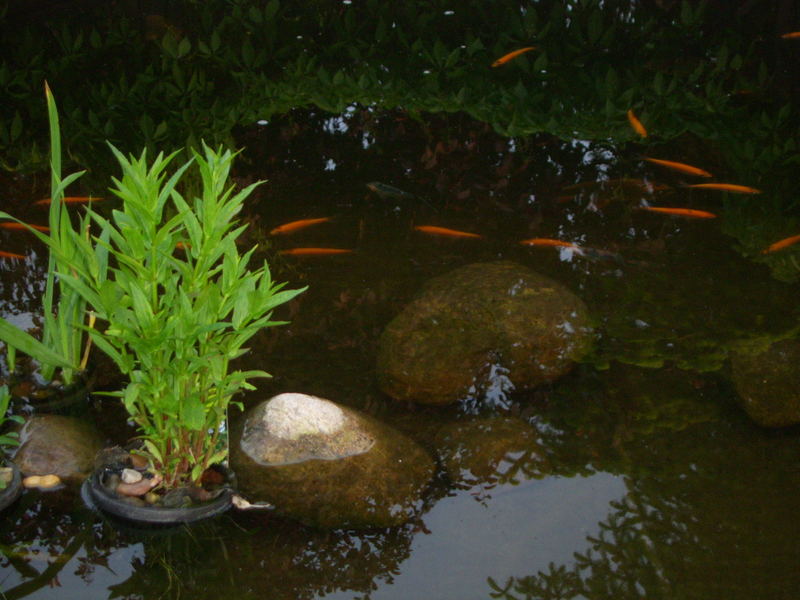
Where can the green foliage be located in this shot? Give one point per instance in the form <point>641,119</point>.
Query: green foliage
<point>168,81</point>
<point>178,302</point>
<point>11,438</point>
<point>62,341</point>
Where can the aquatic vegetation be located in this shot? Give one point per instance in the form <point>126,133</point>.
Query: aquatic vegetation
<point>63,344</point>
<point>7,439</point>
<point>172,322</point>
<point>10,438</point>
<point>232,64</point>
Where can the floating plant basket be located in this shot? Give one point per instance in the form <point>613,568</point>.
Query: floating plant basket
<point>97,493</point>
<point>13,488</point>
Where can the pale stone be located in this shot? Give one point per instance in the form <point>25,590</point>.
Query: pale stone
<point>43,482</point>
<point>131,476</point>
<point>291,415</point>
<point>293,427</point>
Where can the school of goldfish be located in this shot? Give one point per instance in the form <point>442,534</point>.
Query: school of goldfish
<point>635,123</point>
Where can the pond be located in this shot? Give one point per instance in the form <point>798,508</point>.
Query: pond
<point>638,474</point>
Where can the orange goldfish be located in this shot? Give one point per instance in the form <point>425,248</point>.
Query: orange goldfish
<point>18,226</point>
<point>791,35</point>
<point>507,57</point>
<point>726,187</point>
<point>315,251</point>
<point>433,229</point>
<point>780,245</point>
<point>71,200</point>
<point>549,242</point>
<point>677,166</point>
<point>680,212</point>
<point>636,124</point>
<point>297,225</point>
<point>4,254</point>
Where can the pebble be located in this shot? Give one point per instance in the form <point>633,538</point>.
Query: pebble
<point>43,482</point>
<point>131,476</point>
<point>140,488</point>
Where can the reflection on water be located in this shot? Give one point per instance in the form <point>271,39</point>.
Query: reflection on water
<point>466,540</point>
<point>634,476</point>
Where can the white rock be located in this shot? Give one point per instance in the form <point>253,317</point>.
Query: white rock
<point>292,415</point>
<point>131,476</point>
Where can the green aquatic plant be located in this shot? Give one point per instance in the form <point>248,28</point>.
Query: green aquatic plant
<point>63,345</point>
<point>176,302</point>
<point>12,437</point>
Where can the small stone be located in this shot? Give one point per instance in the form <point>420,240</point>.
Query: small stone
<point>47,482</point>
<point>43,482</point>
<point>131,476</point>
<point>32,481</point>
<point>152,498</point>
<point>140,488</point>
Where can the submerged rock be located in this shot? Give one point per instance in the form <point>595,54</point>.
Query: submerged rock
<point>488,327</point>
<point>328,465</point>
<point>59,445</point>
<point>491,451</point>
<point>768,383</point>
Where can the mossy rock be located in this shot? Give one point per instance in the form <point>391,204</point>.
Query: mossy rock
<point>327,465</point>
<point>59,445</point>
<point>480,327</point>
<point>768,383</point>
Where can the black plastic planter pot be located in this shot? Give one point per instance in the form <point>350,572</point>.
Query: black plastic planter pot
<point>99,496</point>
<point>53,399</point>
<point>14,487</point>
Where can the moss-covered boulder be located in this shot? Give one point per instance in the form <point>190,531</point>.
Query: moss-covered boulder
<point>480,327</point>
<point>768,383</point>
<point>327,465</point>
<point>56,444</point>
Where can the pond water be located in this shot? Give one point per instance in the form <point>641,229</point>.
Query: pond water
<point>656,484</point>
<point>645,479</point>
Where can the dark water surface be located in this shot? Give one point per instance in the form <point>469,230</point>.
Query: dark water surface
<point>645,478</point>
